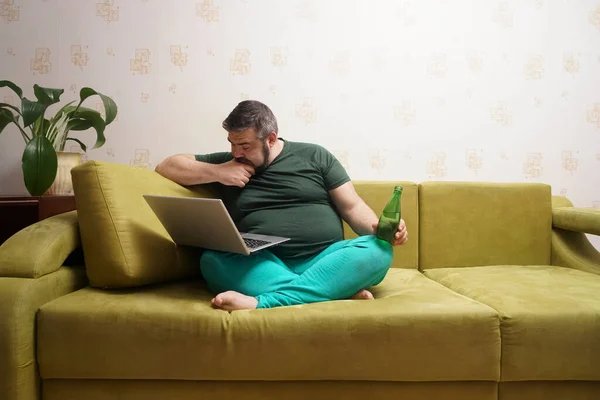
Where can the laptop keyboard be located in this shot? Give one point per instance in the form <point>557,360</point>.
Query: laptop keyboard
<point>254,243</point>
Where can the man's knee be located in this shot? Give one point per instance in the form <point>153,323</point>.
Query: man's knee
<point>376,254</point>
<point>383,253</point>
<point>213,265</point>
<point>209,260</point>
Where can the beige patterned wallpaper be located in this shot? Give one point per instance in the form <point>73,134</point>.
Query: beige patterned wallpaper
<point>417,90</point>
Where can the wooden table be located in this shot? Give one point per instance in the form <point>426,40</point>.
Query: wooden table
<point>18,212</point>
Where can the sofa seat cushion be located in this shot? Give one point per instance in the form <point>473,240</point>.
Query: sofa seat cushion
<point>415,330</point>
<point>549,317</point>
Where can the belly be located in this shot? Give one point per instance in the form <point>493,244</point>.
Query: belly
<point>310,227</point>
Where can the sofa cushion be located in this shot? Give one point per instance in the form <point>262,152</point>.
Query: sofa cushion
<point>549,317</point>
<point>467,224</point>
<point>416,330</point>
<point>124,243</point>
<point>41,248</point>
<point>377,194</point>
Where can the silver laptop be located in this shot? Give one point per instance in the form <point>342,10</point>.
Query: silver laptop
<point>206,223</point>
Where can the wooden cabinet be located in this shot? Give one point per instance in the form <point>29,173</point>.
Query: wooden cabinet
<point>18,212</point>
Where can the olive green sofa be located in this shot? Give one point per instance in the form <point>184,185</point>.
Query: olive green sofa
<point>496,295</point>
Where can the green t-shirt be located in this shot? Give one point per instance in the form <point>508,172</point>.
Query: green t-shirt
<point>289,198</point>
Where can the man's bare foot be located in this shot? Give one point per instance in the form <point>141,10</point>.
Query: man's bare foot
<point>363,294</point>
<point>231,301</point>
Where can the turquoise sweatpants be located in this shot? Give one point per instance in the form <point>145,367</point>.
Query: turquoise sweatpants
<point>336,273</point>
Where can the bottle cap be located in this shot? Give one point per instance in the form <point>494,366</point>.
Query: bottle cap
<point>398,189</point>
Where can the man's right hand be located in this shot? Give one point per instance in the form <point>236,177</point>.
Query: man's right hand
<point>234,173</point>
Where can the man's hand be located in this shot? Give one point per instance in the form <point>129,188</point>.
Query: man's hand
<point>234,173</point>
<point>401,235</point>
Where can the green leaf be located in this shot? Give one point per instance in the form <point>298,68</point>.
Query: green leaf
<point>6,117</point>
<point>93,117</point>
<point>47,96</point>
<point>10,106</point>
<point>32,110</point>
<point>14,88</point>
<point>83,146</point>
<point>39,165</point>
<point>110,107</point>
<point>77,124</point>
<point>63,109</point>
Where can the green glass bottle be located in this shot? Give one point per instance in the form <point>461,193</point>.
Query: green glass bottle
<point>390,218</point>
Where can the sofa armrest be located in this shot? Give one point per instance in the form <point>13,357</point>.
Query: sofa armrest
<point>574,250</point>
<point>20,298</point>
<point>570,246</point>
<point>584,220</point>
<point>41,248</point>
<point>35,268</point>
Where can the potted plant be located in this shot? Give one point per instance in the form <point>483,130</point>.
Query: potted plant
<point>44,153</point>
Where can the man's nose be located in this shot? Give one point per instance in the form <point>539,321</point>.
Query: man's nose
<point>237,152</point>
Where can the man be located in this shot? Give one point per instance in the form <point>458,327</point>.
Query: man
<point>276,187</point>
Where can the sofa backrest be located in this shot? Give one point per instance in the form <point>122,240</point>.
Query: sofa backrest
<point>124,244</point>
<point>376,194</point>
<point>465,224</point>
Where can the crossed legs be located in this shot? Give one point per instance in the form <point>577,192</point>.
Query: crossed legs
<point>343,270</point>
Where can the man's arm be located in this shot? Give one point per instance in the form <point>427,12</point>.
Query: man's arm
<point>361,218</point>
<point>354,210</point>
<point>185,170</point>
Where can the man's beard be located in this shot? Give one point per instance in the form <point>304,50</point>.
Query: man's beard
<point>258,169</point>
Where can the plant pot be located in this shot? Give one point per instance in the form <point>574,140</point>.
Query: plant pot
<point>63,185</point>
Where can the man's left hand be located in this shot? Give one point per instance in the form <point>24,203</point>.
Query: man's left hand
<point>401,235</point>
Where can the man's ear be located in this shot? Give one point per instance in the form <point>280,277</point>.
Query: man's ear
<point>272,138</point>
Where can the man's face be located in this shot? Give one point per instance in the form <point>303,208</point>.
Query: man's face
<point>247,148</point>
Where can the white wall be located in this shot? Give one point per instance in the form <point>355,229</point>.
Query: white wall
<point>415,90</point>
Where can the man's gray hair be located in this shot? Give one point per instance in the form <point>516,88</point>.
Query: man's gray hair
<point>251,114</point>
